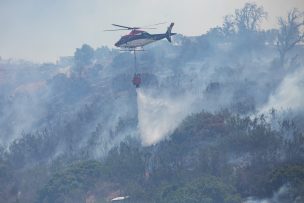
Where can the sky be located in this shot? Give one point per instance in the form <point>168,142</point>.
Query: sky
<point>43,30</point>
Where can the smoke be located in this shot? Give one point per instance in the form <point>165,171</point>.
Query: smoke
<point>279,196</point>
<point>289,94</point>
<point>159,114</point>
<point>23,100</point>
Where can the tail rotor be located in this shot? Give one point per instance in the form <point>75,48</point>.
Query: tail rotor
<point>169,33</point>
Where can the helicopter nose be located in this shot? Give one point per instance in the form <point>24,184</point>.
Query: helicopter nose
<point>117,44</point>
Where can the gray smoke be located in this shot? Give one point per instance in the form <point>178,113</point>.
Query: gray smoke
<point>290,94</point>
<point>277,197</point>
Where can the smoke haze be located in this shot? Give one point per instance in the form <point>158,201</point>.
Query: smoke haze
<point>159,114</point>
<point>290,94</point>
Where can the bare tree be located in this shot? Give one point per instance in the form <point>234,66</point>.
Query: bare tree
<point>228,27</point>
<point>249,17</point>
<point>290,33</point>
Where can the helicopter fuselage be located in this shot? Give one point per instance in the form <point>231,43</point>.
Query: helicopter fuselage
<point>138,38</point>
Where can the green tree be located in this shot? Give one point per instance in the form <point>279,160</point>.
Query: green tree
<point>71,183</point>
<point>83,56</point>
<point>205,189</point>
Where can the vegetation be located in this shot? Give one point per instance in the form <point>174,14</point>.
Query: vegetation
<point>71,184</point>
<point>211,158</point>
<point>85,147</point>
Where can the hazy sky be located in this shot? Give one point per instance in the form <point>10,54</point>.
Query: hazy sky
<point>43,30</point>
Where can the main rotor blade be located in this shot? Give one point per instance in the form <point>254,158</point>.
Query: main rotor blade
<point>116,30</point>
<point>148,28</point>
<point>153,25</point>
<point>130,28</point>
<point>135,28</point>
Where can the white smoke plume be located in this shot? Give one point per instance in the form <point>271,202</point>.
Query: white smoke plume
<point>159,115</point>
<point>278,196</point>
<point>290,94</point>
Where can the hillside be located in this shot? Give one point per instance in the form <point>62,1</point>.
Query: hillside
<point>218,118</point>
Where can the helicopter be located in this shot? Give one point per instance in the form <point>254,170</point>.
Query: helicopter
<point>139,38</point>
